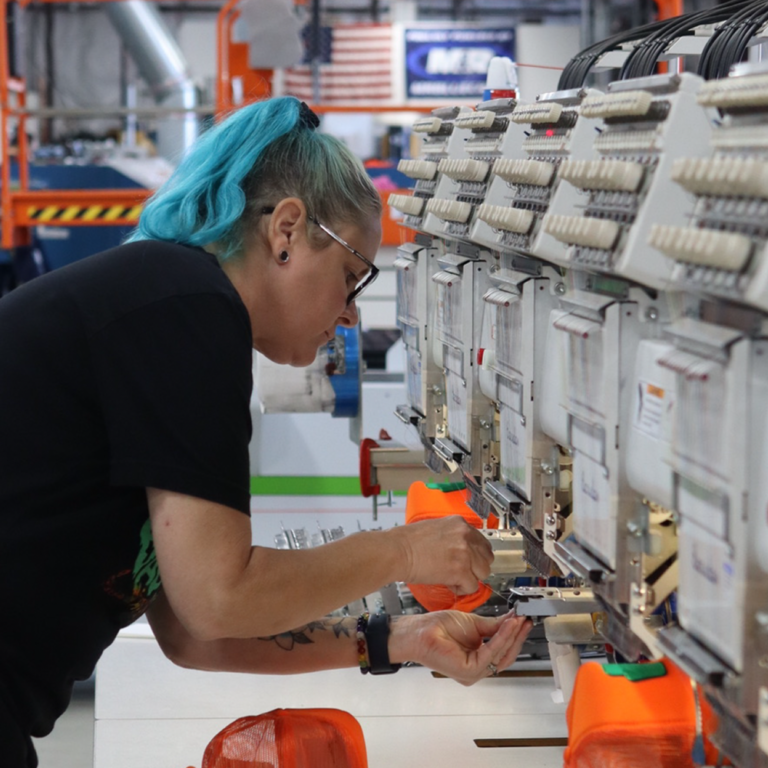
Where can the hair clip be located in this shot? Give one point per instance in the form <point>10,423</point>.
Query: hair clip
<point>307,117</point>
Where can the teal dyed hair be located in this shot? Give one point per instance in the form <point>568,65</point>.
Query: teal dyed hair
<point>258,156</point>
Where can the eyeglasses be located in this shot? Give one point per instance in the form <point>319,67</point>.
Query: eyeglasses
<point>373,269</point>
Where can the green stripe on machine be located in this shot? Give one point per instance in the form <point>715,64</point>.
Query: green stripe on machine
<point>286,485</point>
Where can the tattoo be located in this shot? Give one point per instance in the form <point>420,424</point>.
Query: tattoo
<point>341,628</point>
<point>293,637</point>
<point>301,636</point>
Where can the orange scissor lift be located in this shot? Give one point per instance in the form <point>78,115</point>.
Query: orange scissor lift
<point>22,208</point>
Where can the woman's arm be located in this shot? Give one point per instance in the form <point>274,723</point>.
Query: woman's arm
<point>219,586</point>
<point>449,642</point>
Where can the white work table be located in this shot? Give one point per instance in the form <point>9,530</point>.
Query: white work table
<point>152,714</point>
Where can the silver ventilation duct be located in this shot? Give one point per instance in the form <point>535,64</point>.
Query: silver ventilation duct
<point>162,65</point>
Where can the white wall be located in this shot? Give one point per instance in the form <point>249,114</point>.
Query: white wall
<point>543,45</point>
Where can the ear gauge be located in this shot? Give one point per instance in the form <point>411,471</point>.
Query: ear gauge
<point>283,256</point>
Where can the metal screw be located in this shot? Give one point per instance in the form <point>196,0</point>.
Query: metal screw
<point>551,535</point>
<point>551,520</point>
<point>652,313</point>
<point>560,289</point>
<point>486,468</point>
<point>547,469</point>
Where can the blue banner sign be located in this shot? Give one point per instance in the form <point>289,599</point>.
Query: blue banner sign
<point>452,62</point>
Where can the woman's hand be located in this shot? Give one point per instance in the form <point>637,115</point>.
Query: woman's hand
<point>452,643</point>
<point>447,551</point>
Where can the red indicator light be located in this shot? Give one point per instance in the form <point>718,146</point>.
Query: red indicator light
<point>550,132</point>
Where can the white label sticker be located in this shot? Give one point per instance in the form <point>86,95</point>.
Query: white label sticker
<point>414,379</point>
<point>651,409</point>
<point>457,408</point>
<point>513,448</point>
<point>592,506</point>
<point>711,593</point>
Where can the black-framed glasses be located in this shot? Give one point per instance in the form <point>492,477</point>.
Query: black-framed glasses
<point>373,269</point>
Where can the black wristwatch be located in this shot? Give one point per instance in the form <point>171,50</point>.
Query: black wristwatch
<point>377,639</point>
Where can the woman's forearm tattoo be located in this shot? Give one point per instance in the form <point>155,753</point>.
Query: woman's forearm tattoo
<point>301,636</point>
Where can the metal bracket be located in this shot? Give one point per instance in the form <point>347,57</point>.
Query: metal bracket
<point>691,657</point>
<point>449,451</point>
<point>408,415</point>
<point>504,499</point>
<point>581,563</point>
<point>539,602</point>
<point>640,601</point>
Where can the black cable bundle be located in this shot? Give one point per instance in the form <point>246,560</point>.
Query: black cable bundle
<point>728,45</point>
<point>643,60</point>
<point>657,36</point>
<point>578,68</point>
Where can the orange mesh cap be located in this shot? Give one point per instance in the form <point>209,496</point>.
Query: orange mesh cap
<point>437,598</point>
<point>645,724</point>
<point>289,738</point>
<point>423,503</point>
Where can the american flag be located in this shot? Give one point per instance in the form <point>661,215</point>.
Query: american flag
<point>356,65</point>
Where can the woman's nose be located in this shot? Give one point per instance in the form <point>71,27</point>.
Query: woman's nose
<point>349,317</point>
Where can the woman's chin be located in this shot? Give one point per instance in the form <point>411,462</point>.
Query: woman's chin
<point>304,358</point>
<point>298,357</point>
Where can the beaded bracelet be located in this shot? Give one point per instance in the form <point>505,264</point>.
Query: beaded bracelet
<point>362,645</point>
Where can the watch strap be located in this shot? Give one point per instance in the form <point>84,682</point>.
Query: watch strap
<point>377,639</point>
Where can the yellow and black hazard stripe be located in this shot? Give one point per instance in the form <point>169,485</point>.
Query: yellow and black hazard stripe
<point>78,214</point>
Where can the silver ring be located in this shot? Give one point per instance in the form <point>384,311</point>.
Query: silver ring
<point>494,669</point>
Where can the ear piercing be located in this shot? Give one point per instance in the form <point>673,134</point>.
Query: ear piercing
<point>284,256</point>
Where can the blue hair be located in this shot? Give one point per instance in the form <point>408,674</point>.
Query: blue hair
<point>258,156</point>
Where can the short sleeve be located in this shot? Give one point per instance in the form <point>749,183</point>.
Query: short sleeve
<point>174,381</point>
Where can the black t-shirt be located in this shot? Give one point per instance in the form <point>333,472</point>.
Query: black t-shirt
<point>129,369</point>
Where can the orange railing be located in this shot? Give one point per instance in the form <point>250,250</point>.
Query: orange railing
<point>22,208</point>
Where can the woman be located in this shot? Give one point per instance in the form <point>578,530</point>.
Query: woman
<point>127,380</point>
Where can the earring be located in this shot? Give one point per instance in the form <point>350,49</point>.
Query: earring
<point>283,256</point>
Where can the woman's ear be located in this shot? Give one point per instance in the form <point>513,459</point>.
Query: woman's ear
<point>287,224</point>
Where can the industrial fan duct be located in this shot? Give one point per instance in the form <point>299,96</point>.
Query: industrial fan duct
<point>162,65</point>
